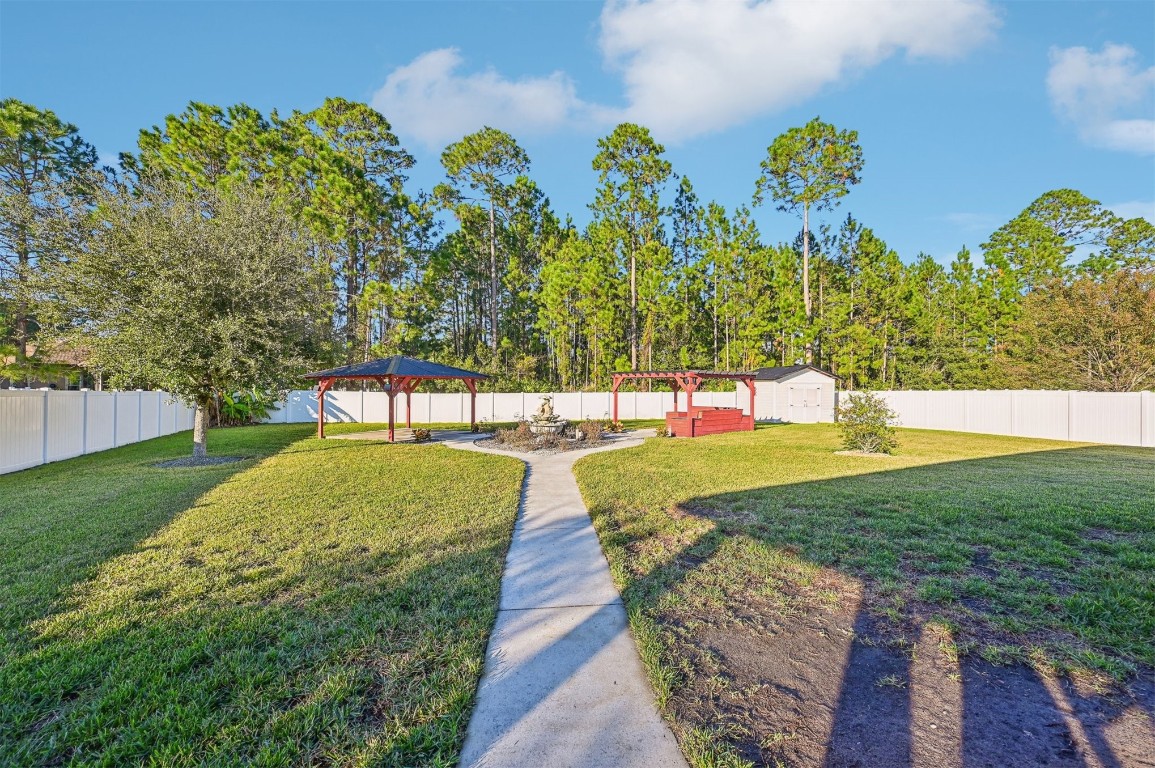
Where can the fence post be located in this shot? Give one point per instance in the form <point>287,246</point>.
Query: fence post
<point>1070,415</point>
<point>84,423</point>
<point>44,435</point>
<point>139,415</point>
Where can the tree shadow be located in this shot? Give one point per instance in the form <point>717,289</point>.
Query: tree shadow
<point>253,636</point>
<point>827,622</point>
<point>61,521</point>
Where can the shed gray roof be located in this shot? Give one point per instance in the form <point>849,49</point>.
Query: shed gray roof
<point>786,371</point>
<point>397,365</point>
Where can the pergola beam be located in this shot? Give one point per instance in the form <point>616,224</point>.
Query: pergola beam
<point>687,381</point>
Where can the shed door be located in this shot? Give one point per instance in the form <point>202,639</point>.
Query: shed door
<point>802,403</point>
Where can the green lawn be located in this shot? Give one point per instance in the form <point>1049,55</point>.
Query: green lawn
<point>320,602</point>
<point>1019,549</point>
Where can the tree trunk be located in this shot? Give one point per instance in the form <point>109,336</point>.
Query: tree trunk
<point>714,311</point>
<point>200,430</point>
<point>351,298</point>
<point>806,281</point>
<point>633,310</point>
<point>493,341</point>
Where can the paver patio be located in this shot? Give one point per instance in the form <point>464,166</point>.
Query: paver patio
<point>563,684</point>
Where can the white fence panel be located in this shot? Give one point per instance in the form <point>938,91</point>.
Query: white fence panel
<point>1113,418</point>
<point>100,424</point>
<point>948,412</point>
<point>1147,430</point>
<point>1102,417</point>
<point>447,408</point>
<point>149,415</point>
<point>22,417</point>
<point>375,407</point>
<point>987,412</point>
<point>1042,414</point>
<point>511,406</point>
<point>568,405</point>
<point>597,405</point>
<point>343,406</point>
<point>41,426</point>
<point>65,412</point>
<point>127,417</point>
<point>302,406</point>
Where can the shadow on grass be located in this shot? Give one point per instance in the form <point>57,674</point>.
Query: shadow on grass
<point>309,608</point>
<point>851,621</point>
<point>60,521</point>
<point>355,666</point>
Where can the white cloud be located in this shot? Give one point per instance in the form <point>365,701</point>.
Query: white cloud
<point>431,100</point>
<point>1134,209</point>
<point>688,66</point>
<point>695,66</point>
<point>1106,95</point>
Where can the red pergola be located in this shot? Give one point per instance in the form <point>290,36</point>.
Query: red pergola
<point>395,374</point>
<point>695,420</point>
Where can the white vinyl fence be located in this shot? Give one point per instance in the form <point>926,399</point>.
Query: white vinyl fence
<point>373,406</point>
<point>1115,418</point>
<point>38,426</point>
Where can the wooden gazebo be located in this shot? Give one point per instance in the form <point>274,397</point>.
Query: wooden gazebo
<point>695,420</point>
<point>395,374</point>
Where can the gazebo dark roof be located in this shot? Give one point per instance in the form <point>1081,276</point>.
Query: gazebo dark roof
<point>396,375</point>
<point>783,371</point>
<point>396,365</point>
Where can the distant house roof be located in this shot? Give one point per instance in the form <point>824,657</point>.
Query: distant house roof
<point>786,371</point>
<point>397,365</point>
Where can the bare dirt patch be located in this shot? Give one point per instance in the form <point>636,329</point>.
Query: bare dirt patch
<point>835,687</point>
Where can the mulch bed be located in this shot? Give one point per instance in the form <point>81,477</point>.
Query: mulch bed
<point>562,446</point>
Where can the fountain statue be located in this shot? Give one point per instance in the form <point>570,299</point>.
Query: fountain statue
<point>545,420</point>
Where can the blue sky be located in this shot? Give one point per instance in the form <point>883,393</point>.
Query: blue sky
<point>966,110</point>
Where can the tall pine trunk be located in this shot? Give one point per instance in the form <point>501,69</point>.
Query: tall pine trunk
<point>633,310</point>
<point>806,282</point>
<point>493,340</point>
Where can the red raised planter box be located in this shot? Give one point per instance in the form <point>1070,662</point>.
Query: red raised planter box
<point>707,420</point>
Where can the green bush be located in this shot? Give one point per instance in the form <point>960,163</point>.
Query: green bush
<point>249,407</point>
<point>867,424</point>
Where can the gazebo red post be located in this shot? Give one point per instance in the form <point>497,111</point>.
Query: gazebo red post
<point>471,384</point>
<point>749,382</point>
<point>617,382</point>
<point>392,393</point>
<point>323,386</point>
<point>688,382</point>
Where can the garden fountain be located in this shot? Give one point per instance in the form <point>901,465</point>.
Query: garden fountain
<point>545,421</point>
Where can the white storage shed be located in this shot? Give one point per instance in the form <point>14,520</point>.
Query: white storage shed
<point>798,393</point>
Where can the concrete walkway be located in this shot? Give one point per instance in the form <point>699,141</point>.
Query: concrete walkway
<point>563,684</point>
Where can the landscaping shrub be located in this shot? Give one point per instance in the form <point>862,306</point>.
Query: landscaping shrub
<point>867,424</point>
<point>591,430</point>
<point>241,408</point>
